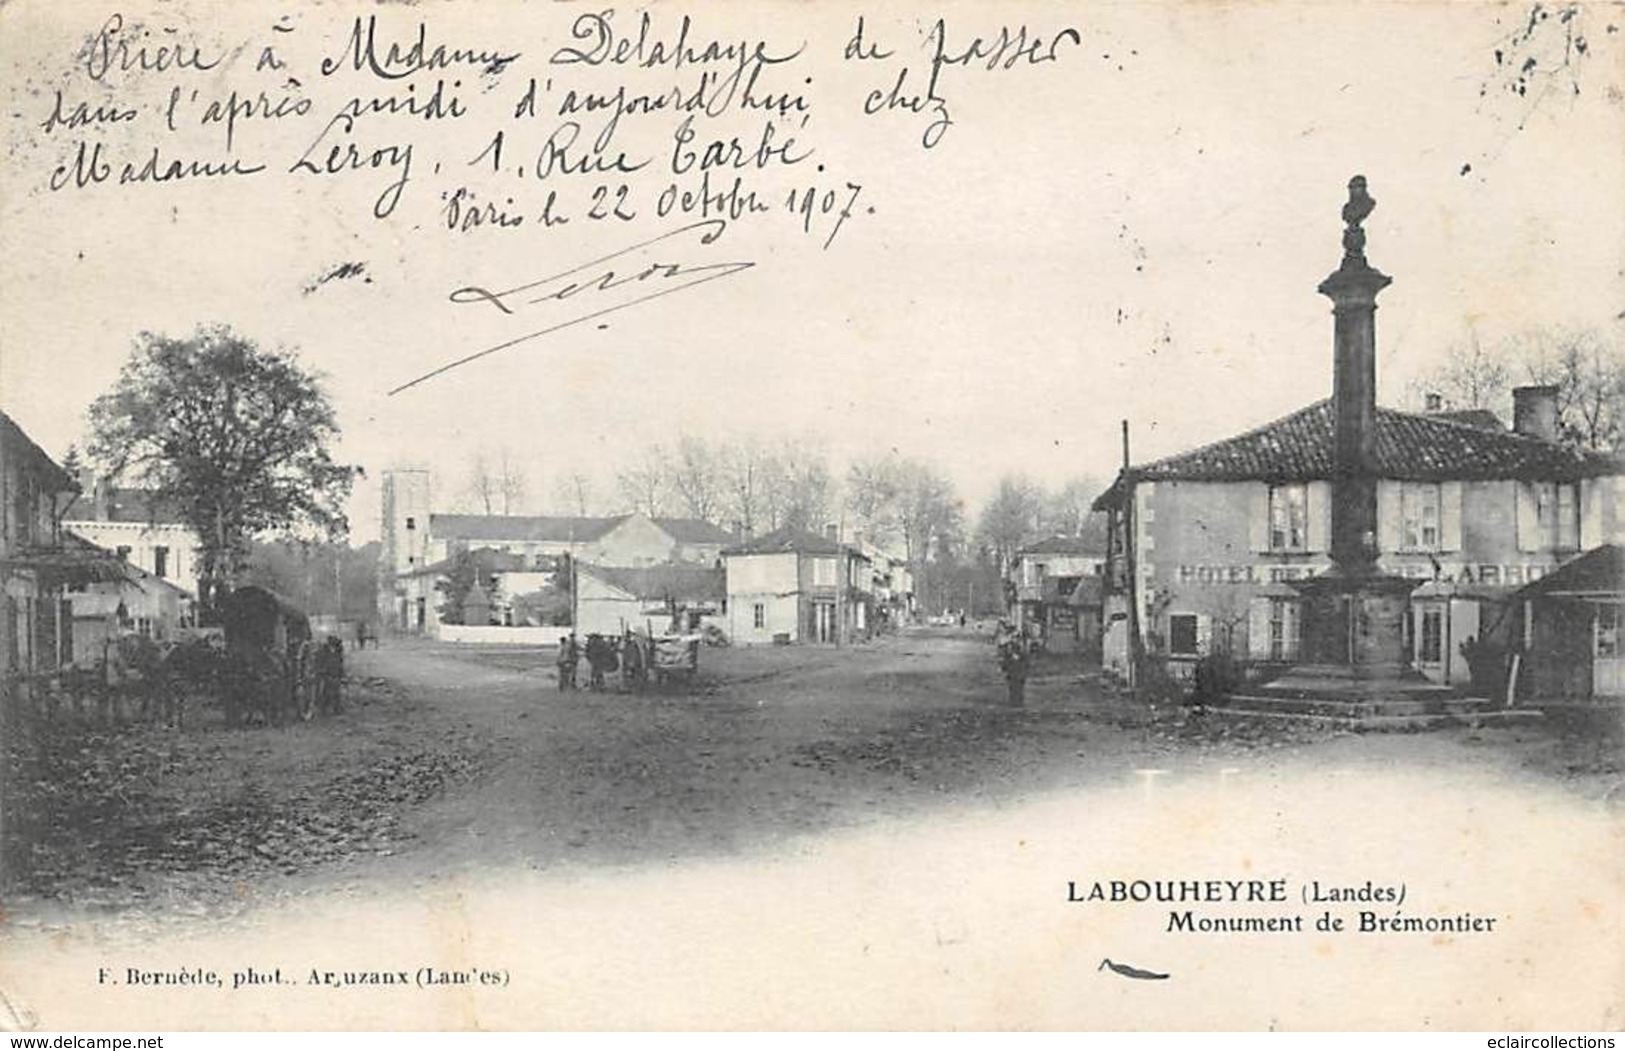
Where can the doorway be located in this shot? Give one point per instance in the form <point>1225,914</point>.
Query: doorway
<point>823,621</point>
<point>1607,660</point>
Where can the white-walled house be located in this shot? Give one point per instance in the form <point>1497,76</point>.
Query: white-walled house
<point>677,596</point>
<point>795,586</point>
<point>139,528</point>
<point>1204,544</point>
<point>419,545</point>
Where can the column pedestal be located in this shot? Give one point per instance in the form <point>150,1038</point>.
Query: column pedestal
<point>1353,639</point>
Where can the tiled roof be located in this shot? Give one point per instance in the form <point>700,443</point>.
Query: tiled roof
<point>1088,592</point>
<point>785,539</point>
<point>61,481</point>
<point>123,504</point>
<point>1066,545</point>
<point>1410,447</point>
<point>563,529</point>
<point>487,560</point>
<point>693,531</point>
<point>676,580</point>
<point>1483,419</point>
<point>1600,571</point>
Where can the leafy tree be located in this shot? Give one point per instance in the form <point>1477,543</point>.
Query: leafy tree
<point>73,463</point>
<point>318,577</point>
<point>455,584</point>
<point>237,438</point>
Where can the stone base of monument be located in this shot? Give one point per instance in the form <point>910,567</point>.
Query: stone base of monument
<point>1355,671</point>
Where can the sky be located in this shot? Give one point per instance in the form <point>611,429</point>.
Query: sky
<point>1133,231</point>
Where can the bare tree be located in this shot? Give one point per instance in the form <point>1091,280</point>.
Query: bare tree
<point>480,490</point>
<point>697,478</point>
<point>1066,511</point>
<point>930,518</point>
<point>1472,376</point>
<point>1010,520</point>
<point>1589,374</point>
<point>645,482</point>
<point>1587,369</point>
<point>511,483</point>
<point>747,472</point>
<point>574,493</point>
<point>800,492</point>
<point>874,491</point>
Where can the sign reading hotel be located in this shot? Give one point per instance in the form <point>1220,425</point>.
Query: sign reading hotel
<point>1482,573</point>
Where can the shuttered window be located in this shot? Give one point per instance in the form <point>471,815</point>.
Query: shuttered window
<point>1182,634</point>
<point>1289,518</point>
<point>1548,515</point>
<point>1419,516</point>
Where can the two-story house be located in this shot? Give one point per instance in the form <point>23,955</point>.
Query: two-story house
<point>1043,582</point>
<point>36,565</point>
<point>140,528</point>
<point>791,585</point>
<point>419,545</point>
<point>1203,543</point>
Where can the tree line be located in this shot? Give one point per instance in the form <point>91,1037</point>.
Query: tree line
<point>908,506</point>
<point>238,438</point>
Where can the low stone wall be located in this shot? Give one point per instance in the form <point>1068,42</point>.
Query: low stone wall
<point>488,634</point>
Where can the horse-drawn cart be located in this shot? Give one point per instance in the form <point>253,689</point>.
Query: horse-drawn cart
<point>658,658</point>
<point>275,670</point>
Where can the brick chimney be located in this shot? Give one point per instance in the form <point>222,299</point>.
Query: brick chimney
<point>832,531</point>
<point>1534,412</point>
<point>1435,402</point>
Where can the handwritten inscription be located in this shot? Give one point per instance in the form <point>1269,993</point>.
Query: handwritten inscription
<point>665,124</point>
<point>614,115</point>
<point>637,274</point>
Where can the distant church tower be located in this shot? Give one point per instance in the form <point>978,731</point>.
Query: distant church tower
<point>405,533</point>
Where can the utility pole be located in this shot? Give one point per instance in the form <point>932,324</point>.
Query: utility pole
<point>1130,572</point>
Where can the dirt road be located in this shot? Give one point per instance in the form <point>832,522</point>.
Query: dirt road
<point>452,760</point>
<point>768,744</point>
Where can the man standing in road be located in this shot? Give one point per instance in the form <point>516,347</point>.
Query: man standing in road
<point>567,660</point>
<point>1013,658</point>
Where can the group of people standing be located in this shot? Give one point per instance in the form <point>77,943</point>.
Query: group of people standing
<point>603,656</point>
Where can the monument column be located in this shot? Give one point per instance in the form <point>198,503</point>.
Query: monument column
<point>1354,615</point>
<point>1353,289</point>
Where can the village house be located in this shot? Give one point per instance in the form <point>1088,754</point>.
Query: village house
<point>675,597</point>
<point>138,527</point>
<point>37,566</point>
<point>142,603</point>
<point>891,585</point>
<point>1044,579</point>
<point>418,546</point>
<point>1202,545</point>
<point>792,585</point>
<point>1568,630</point>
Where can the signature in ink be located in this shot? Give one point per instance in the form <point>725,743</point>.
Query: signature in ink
<point>589,282</point>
